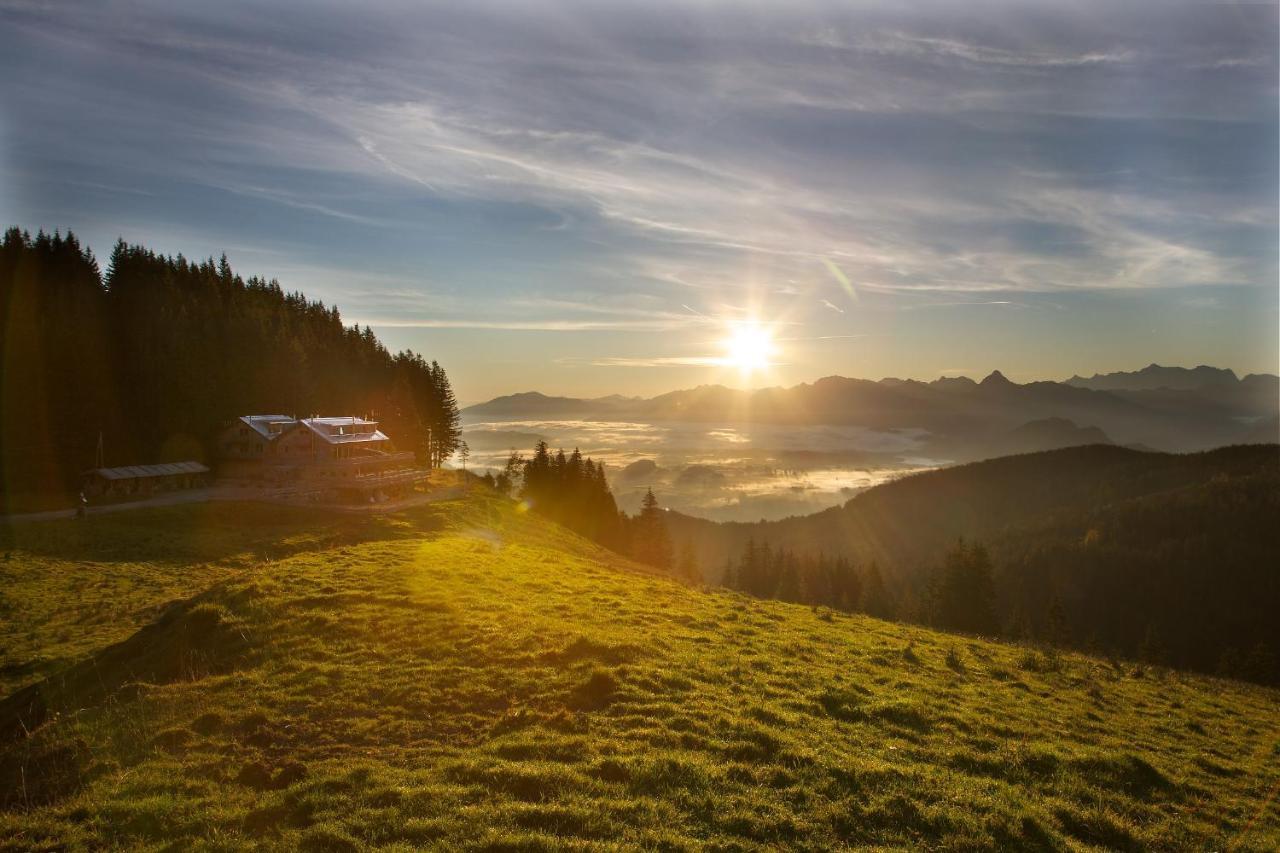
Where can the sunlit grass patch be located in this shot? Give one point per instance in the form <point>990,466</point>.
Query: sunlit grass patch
<point>467,676</point>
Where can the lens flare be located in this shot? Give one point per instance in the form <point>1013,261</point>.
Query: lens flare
<point>749,346</point>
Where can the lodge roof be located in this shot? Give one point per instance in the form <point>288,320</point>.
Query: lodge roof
<point>331,430</point>
<point>139,472</point>
<point>261,424</point>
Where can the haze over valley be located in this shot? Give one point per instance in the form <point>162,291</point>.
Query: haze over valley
<point>732,455</point>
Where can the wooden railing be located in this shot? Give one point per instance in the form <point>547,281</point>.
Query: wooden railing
<point>403,459</point>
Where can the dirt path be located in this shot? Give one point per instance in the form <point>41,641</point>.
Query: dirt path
<point>167,499</point>
<point>233,493</point>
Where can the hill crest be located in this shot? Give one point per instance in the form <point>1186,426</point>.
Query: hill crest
<point>466,674</point>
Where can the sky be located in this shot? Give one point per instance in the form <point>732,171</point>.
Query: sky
<point>585,198</point>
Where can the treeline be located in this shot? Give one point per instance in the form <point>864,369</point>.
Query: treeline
<point>967,593</point>
<point>960,595</point>
<point>158,353</point>
<point>1186,578</point>
<point>817,580</point>
<point>574,492</point>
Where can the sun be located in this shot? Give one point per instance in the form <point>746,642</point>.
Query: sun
<point>748,347</point>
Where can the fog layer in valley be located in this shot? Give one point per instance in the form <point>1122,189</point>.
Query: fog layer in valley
<point>721,472</point>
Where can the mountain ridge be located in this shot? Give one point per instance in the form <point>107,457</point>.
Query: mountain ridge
<point>960,414</point>
<point>1155,376</point>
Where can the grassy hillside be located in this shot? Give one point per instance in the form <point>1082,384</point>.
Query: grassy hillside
<point>466,675</point>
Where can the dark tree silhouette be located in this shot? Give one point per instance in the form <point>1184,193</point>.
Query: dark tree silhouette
<point>158,354</point>
<point>803,578</point>
<point>964,591</point>
<point>875,599</point>
<point>687,562</point>
<point>650,542</point>
<point>569,489</point>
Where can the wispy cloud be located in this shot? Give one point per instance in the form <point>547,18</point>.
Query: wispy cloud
<point>636,168</point>
<point>519,325</point>
<point>964,302</point>
<point>665,361</point>
<point>948,48</point>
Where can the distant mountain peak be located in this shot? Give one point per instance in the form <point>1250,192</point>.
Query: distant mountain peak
<point>1155,376</point>
<point>953,384</point>
<point>532,403</point>
<point>995,379</point>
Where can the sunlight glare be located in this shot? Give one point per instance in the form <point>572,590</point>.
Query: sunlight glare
<point>749,346</point>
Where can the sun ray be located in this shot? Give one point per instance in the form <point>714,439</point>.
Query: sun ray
<point>749,346</point>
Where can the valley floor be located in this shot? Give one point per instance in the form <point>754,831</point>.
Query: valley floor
<point>466,675</point>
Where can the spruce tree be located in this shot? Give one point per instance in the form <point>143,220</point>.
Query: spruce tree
<point>650,542</point>
<point>964,595</point>
<point>687,563</point>
<point>1152,649</point>
<point>875,599</point>
<point>446,428</point>
<point>1057,632</point>
<point>1260,665</point>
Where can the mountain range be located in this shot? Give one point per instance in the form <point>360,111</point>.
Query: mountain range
<point>1165,408</point>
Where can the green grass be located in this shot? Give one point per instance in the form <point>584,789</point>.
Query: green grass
<point>464,675</point>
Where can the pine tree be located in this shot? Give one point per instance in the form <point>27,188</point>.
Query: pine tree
<point>875,599</point>
<point>1057,632</point>
<point>506,480</point>
<point>787,585</point>
<point>964,594</point>
<point>1229,663</point>
<point>687,564</point>
<point>1018,627</point>
<point>729,577</point>
<point>749,569</point>
<point>650,542</point>
<point>537,486</point>
<point>1152,650</point>
<point>446,426</point>
<point>1260,665</point>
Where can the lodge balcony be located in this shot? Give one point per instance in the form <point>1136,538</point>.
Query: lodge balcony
<point>373,461</point>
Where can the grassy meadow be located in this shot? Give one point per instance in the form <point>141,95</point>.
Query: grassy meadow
<point>467,675</point>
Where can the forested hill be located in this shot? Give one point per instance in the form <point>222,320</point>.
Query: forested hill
<point>1176,552</point>
<point>907,523</point>
<point>158,353</point>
